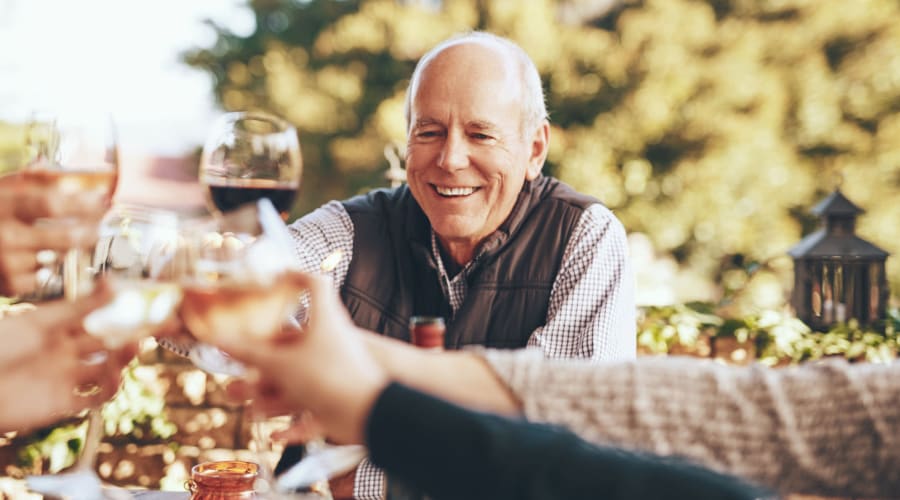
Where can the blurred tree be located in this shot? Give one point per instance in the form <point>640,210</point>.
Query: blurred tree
<point>710,125</point>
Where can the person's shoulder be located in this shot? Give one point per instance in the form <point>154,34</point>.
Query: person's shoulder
<point>376,200</point>
<point>557,191</point>
<point>593,212</point>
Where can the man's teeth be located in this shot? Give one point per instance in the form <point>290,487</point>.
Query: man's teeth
<point>456,191</point>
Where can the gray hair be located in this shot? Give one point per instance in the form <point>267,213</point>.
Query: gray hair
<point>534,109</point>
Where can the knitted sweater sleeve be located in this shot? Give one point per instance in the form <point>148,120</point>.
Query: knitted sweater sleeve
<point>826,428</point>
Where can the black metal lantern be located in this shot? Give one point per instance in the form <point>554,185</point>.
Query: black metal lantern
<point>837,275</point>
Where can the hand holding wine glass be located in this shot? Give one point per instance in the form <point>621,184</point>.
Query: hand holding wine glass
<point>136,253</point>
<point>248,156</point>
<point>23,201</point>
<point>70,155</point>
<point>42,356</point>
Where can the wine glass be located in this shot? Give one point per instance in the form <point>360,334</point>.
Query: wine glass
<point>137,252</point>
<point>68,153</point>
<point>13,123</point>
<point>236,288</point>
<point>248,156</point>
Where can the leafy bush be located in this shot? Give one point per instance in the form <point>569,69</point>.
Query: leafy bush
<point>778,338</point>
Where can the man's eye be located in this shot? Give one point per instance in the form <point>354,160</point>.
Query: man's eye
<point>425,134</point>
<point>481,137</point>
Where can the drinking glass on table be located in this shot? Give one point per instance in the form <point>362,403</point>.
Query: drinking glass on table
<point>69,153</point>
<point>248,156</point>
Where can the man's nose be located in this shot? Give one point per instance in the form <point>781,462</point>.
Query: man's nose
<point>454,153</point>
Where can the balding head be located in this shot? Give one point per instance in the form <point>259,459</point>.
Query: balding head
<point>497,53</point>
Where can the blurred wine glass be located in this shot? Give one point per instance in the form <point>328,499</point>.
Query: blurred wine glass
<point>13,124</point>
<point>237,288</point>
<point>69,153</point>
<point>248,156</point>
<point>137,253</point>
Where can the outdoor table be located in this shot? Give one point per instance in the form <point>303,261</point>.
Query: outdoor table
<point>161,495</point>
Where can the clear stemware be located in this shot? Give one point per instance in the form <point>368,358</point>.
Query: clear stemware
<point>69,153</point>
<point>236,287</point>
<point>136,252</point>
<point>248,156</point>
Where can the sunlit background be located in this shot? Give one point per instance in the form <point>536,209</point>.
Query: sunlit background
<point>710,127</point>
<point>121,56</point>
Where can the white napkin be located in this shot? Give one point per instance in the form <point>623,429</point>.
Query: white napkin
<point>76,485</point>
<point>211,359</point>
<point>328,462</point>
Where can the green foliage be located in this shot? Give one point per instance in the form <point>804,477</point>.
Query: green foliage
<point>52,449</point>
<point>12,149</point>
<point>137,411</point>
<point>710,125</point>
<point>777,338</point>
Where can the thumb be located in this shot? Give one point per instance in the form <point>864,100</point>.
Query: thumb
<point>251,353</point>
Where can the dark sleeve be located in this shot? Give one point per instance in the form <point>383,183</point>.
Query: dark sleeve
<point>449,452</point>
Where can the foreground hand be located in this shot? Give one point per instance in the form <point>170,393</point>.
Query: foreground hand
<point>28,200</point>
<point>33,332</point>
<point>44,388</point>
<point>325,368</point>
<point>43,372</point>
<point>21,203</point>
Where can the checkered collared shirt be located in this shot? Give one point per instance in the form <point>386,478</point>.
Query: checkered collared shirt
<point>591,312</point>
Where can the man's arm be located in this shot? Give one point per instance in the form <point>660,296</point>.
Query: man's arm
<point>825,429</point>
<point>449,452</point>
<point>592,310</point>
<point>320,237</point>
<point>323,243</point>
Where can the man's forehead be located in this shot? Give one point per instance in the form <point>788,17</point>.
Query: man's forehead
<point>475,123</point>
<point>483,55</point>
<point>468,73</point>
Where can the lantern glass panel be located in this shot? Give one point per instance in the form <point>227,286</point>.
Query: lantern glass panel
<point>816,287</point>
<point>875,270</point>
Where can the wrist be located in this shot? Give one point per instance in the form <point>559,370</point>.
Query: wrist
<point>342,486</point>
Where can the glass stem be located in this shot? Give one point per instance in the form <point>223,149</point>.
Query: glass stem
<point>92,438</point>
<point>77,276</point>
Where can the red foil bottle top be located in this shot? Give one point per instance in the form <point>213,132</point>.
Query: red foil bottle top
<point>427,331</point>
<point>227,479</point>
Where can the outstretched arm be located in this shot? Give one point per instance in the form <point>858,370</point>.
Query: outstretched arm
<point>450,452</point>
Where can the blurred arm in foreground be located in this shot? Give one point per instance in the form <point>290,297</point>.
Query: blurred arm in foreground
<point>327,369</point>
<point>44,374</point>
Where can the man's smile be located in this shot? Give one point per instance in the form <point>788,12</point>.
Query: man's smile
<point>453,191</point>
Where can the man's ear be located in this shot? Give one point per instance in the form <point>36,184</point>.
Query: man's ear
<point>540,145</point>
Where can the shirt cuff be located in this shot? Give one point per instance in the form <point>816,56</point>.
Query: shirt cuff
<point>369,482</point>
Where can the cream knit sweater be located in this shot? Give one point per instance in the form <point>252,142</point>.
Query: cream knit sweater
<point>825,428</point>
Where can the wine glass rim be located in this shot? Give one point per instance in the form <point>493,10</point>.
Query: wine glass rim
<point>281,125</point>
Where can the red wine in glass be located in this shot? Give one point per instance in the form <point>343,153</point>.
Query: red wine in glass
<point>249,156</point>
<point>228,194</point>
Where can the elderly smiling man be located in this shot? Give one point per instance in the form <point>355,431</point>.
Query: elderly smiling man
<point>508,257</point>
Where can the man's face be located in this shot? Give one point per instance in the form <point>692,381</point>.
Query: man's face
<point>467,156</point>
